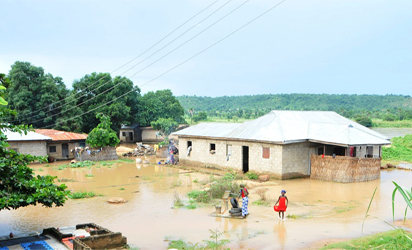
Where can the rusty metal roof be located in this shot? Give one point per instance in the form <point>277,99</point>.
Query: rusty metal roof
<point>57,135</point>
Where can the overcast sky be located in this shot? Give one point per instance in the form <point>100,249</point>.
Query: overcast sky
<point>301,46</point>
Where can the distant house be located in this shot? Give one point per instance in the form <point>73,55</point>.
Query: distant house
<point>131,133</point>
<point>135,133</point>
<point>61,143</point>
<point>33,143</point>
<point>288,144</point>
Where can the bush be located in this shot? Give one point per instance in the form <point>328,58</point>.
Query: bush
<point>252,176</point>
<point>199,196</point>
<point>221,185</point>
<point>364,120</point>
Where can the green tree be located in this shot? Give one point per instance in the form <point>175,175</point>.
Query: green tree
<point>364,120</point>
<point>35,96</point>
<point>165,127</point>
<point>18,185</point>
<point>93,91</point>
<point>160,104</point>
<point>201,116</point>
<point>102,135</point>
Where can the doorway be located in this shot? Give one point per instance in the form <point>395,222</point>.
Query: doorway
<point>245,162</point>
<point>65,150</point>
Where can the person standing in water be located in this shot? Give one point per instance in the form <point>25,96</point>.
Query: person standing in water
<point>245,199</point>
<point>283,204</point>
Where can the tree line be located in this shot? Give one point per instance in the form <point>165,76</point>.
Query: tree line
<point>43,100</point>
<point>385,107</point>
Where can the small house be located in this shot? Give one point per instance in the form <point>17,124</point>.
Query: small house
<point>31,143</point>
<point>288,144</point>
<point>131,133</point>
<point>62,143</point>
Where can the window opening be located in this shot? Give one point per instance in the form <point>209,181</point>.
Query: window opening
<point>265,153</point>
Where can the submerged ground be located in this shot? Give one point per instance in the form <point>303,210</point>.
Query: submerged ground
<point>319,211</point>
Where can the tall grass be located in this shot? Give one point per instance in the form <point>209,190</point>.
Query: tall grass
<point>407,196</point>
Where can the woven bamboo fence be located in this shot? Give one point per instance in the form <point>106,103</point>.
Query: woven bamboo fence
<point>344,168</point>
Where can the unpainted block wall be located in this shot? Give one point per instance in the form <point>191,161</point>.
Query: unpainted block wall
<point>200,154</point>
<point>58,154</point>
<point>36,148</point>
<point>107,153</point>
<point>296,158</point>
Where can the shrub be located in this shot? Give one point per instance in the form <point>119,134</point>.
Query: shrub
<point>262,193</point>
<point>251,176</point>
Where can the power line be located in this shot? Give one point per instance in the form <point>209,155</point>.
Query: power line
<point>88,88</point>
<point>190,58</point>
<point>176,48</point>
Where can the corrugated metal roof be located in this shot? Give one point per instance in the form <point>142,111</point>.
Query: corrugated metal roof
<point>292,126</point>
<point>133,126</point>
<point>31,136</point>
<point>57,135</point>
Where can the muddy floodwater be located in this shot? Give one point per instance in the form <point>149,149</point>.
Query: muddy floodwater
<point>320,210</point>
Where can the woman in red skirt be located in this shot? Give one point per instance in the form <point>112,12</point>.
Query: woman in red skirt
<point>283,204</point>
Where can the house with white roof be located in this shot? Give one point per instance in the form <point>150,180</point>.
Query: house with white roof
<point>31,143</point>
<point>287,144</point>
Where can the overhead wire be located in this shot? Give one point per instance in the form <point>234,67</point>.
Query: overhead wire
<point>176,48</point>
<point>88,88</point>
<point>178,65</point>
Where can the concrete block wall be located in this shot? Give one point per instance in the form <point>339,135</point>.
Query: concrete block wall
<point>122,137</point>
<point>296,159</point>
<point>35,148</point>
<point>107,153</point>
<point>200,154</point>
<point>361,151</point>
<point>149,135</point>
<point>58,154</point>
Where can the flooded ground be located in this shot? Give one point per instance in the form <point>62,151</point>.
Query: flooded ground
<point>322,210</point>
<point>393,132</point>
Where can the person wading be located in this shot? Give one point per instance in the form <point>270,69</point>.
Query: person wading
<point>283,204</point>
<point>245,199</point>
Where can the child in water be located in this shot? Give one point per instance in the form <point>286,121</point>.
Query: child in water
<point>282,206</point>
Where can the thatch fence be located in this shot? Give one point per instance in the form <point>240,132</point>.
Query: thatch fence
<point>344,168</point>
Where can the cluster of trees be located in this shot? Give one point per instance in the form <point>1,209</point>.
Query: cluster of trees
<point>18,185</point>
<point>360,107</point>
<point>43,101</point>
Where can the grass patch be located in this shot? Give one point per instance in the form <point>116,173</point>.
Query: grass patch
<point>391,124</point>
<point>121,189</point>
<point>40,169</point>
<point>214,242</point>
<point>125,160</point>
<point>294,216</point>
<point>262,203</point>
<point>81,164</point>
<point>81,195</point>
<point>390,240</point>
<point>89,175</point>
<point>344,209</point>
<point>400,150</point>
<point>195,181</point>
<point>66,180</point>
<point>192,205</point>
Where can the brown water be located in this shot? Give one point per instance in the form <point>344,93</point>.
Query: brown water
<point>324,210</point>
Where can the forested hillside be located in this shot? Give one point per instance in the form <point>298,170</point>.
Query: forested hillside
<point>385,107</point>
